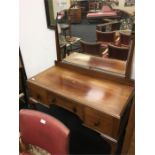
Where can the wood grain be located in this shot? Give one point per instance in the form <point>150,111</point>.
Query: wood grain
<point>99,63</point>
<point>100,103</point>
<point>103,95</point>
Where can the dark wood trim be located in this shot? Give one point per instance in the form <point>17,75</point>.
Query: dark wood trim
<point>96,74</point>
<point>129,130</point>
<point>57,44</point>
<point>22,63</point>
<point>130,58</point>
<point>23,77</point>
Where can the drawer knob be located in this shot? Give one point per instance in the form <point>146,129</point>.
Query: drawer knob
<point>38,97</point>
<point>74,109</point>
<point>97,123</point>
<point>53,100</point>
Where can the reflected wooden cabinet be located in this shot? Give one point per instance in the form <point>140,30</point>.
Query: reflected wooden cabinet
<point>75,15</point>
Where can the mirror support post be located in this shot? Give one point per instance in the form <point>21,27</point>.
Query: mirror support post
<point>130,58</point>
<point>57,44</point>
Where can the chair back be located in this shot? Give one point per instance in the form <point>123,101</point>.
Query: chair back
<point>91,48</point>
<point>116,52</point>
<point>115,26</point>
<point>45,131</point>
<point>125,39</point>
<point>105,36</point>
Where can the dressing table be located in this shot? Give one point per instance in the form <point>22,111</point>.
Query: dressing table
<point>101,103</point>
<point>100,93</point>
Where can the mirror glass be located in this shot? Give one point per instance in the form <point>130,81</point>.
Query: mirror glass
<point>96,34</point>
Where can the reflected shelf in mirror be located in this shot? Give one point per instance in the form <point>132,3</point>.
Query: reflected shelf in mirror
<point>114,66</point>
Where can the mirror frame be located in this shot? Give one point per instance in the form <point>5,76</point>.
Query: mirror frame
<point>59,61</point>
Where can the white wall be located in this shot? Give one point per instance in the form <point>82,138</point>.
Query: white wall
<point>37,43</point>
<point>129,9</point>
<point>60,5</point>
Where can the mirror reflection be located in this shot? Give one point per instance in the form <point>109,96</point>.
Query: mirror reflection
<point>96,34</point>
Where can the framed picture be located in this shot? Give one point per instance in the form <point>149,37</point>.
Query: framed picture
<point>51,8</point>
<point>112,2</point>
<point>50,17</point>
<point>129,3</point>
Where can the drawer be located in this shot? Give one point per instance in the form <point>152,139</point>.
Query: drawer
<point>38,93</point>
<point>71,106</point>
<point>73,14</point>
<point>99,121</point>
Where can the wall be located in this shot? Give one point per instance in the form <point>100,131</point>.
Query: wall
<point>37,43</point>
<point>60,5</point>
<point>130,9</point>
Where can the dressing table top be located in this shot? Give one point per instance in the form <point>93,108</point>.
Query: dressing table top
<point>103,95</point>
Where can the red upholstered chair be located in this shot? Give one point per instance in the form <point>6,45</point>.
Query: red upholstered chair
<point>124,39</point>
<point>105,38</point>
<point>91,48</point>
<point>116,52</point>
<point>43,131</point>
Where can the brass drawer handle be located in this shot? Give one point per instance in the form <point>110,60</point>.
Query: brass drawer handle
<point>74,109</point>
<point>53,100</point>
<point>97,123</point>
<point>38,97</point>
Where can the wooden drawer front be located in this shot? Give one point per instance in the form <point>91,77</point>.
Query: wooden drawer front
<point>75,20</point>
<point>74,14</point>
<point>99,121</point>
<point>51,98</point>
<point>38,94</point>
<point>71,106</point>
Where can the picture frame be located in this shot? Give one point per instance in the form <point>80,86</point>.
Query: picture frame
<point>129,3</point>
<point>50,16</point>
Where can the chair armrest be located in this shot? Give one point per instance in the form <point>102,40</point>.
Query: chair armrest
<point>117,40</point>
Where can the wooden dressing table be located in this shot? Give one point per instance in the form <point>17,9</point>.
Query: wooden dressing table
<point>103,105</point>
<point>101,92</point>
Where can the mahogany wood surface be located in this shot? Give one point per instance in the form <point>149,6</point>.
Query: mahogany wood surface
<point>89,61</point>
<point>100,103</point>
<point>129,131</point>
<point>96,74</point>
<point>103,95</point>
<point>75,15</point>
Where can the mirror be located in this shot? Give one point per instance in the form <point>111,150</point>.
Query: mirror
<point>80,24</point>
